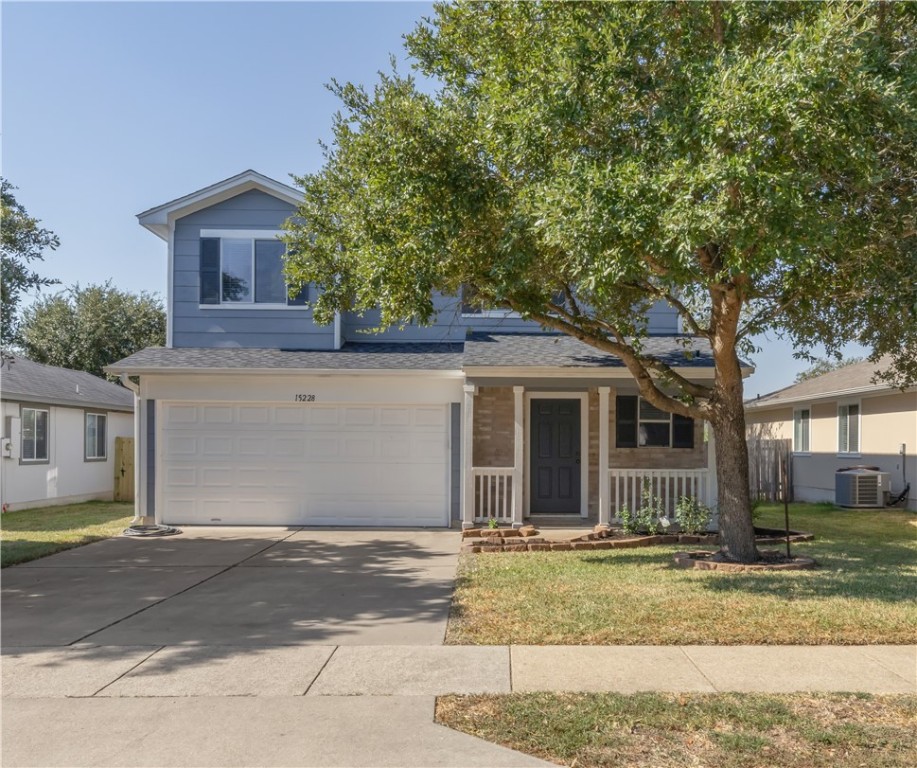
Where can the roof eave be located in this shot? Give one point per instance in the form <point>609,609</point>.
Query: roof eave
<point>203,371</point>
<point>559,371</point>
<point>871,389</point>
<point>159,219</point>
<point>17,397</point>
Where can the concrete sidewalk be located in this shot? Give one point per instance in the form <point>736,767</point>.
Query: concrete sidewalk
<point>411,670</point>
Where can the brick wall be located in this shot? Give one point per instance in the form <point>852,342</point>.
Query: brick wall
<point>494,428</point>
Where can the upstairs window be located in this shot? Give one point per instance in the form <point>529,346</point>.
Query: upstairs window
<point>640,424</point>
<point>801,430</point>
<point>96,437</point>
<point>242,268</point>
<point>34,445</point>
<point>848,428</point>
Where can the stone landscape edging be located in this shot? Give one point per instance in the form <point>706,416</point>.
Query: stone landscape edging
<point>526,539</point>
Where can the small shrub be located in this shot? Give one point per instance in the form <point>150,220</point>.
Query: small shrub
<point>691,515</point>
<point>492,523</point>
<point>651,511</point>
<point>629,521</point>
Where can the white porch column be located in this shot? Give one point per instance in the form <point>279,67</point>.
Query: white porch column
<point>604,500</point>
<point>467,450</point>
<point>518,454</point>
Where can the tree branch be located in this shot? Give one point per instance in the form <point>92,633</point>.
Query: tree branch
<point>640,366</point>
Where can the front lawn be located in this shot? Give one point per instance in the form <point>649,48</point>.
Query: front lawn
<point>727,730</point>
<point>862,594</point>
<point>33,533</point>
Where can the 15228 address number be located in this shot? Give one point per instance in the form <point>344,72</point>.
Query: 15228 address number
<point>304,398</point>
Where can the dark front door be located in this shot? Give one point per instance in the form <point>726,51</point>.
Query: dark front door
<point>555,456</point>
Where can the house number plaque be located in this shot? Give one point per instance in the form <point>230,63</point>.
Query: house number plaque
<point>304,398</point>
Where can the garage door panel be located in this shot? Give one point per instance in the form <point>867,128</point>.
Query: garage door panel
<point>367,465</point>
<point>217,414</point>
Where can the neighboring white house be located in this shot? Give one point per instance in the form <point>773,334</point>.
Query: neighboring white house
<point>59,430</point>
<point>837,420</point>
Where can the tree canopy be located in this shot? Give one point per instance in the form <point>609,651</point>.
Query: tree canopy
<point>88,328</point>
<point>752,165</point>
<point>23,241</point>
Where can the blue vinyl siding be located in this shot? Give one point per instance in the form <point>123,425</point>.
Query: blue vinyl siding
<point>450,325</point>
<point>194,325</point>
<point>216,326</point>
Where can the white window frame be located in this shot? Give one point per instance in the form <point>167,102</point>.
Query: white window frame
<point>244,234</point>
<point>497,314</point>
<point>796,417</point>
<point>859,428</point>
<point>35,459</point>
<point>640,421</point>
<point>95,415</point>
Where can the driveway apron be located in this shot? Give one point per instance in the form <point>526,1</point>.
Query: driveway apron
<point>207,646</point>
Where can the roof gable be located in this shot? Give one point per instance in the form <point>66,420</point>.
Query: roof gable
<point>159,219</point>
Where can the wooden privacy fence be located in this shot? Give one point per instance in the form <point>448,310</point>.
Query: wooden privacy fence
<point>765,469</point>
<point>124,469</point>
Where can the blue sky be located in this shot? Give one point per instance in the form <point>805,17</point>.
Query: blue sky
<point>112,108</point>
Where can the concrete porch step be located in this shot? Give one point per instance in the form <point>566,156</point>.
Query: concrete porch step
<point>560,521</point>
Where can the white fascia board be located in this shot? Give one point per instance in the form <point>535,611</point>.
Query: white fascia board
<point>870,390</point>
<point>437,373</point>
<point>548,372</point>
<point>158,219</point>
<point>61,402</point>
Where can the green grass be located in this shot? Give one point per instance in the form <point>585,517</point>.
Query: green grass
<point>725,730</point>
<point>32,533</point>
<point>862,593</point>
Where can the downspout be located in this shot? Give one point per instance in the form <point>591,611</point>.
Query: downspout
<point>139,518</point>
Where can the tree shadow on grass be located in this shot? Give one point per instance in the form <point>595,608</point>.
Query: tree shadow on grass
<point>885,572</point>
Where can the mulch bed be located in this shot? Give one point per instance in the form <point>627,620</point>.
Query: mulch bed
<point>770,560</point>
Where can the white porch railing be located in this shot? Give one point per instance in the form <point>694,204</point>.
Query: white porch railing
<point>493,493</point>
<point>667,485</point>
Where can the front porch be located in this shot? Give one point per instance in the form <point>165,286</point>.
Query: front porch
<point>547,456</point>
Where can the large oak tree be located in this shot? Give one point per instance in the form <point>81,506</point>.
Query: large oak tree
<point>88,328</point>
<point>750,164</point>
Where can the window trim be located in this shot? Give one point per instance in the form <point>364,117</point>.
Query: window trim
<point>846,404</point>
<point>97,414</point>
<point>252,235</point>
<point>671,422</point>
<point>37,408</point>
<point>796,450</point>
<point>495,314</point>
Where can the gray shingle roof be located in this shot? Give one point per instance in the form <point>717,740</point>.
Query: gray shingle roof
<point>27,381</point>
<point>856,377</point>
<point>360,356</point>
<point>561,351</point>
<point>492,350</point>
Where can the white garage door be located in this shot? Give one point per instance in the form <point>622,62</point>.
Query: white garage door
<point>367,465</point>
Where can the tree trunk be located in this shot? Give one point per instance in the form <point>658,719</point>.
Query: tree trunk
<point>737,531</point>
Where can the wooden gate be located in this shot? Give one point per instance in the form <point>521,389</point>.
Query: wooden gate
<point>124,469</point>
<point>765,469</point>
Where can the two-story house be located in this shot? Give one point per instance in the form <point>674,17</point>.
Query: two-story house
<point>254,414</point>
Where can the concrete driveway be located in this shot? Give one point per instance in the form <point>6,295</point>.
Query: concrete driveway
<point>207,649</point>
<point>254,586</point>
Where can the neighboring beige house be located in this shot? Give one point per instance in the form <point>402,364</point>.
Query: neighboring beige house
<point>59,430</point>
<point>837,420</point>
